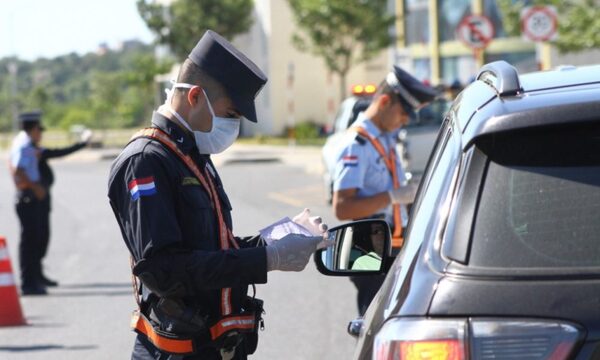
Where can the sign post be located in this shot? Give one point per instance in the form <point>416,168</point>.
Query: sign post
<point>539,24</point>
<point>476,31</point>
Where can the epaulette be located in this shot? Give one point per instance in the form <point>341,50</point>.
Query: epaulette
<point>360,139</point>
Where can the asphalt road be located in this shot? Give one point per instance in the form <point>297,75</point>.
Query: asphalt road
<point>87,317</point>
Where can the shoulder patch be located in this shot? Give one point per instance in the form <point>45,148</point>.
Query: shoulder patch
<point>360,139</point>
<point>141,187</point>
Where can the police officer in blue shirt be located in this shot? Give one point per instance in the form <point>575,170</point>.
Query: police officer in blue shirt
<point>24,156</point>
<point>369,180</point>
<point>175,216</point>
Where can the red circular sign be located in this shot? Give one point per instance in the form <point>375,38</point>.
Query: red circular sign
<point>539,23</point>
<point>476,31</point>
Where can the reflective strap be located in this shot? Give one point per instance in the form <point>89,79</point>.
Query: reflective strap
<point>390,163</point>
<point>225,235</point>
<point>232,323</point>
<point>174,346</point>
<point>6,280</point>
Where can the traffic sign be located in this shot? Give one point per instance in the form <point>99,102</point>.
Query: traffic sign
<point>476,31</point>
<point>539,23</point>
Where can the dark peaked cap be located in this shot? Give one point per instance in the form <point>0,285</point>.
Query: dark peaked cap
<point>242,79</point>
<point>29,119</point>
<point>412,91</point>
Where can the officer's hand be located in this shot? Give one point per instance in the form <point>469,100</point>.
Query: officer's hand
<point>313,224</point>
<point>86,136</point>
<point>291,252</point>
<point>403,195</point>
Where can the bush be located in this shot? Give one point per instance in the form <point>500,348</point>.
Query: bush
<point>306,130</point>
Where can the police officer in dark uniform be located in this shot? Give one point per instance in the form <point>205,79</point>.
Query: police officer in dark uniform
<point>369,180</point>
<point>174,216</point>
<point>23,163</point>
<point>47,180</point>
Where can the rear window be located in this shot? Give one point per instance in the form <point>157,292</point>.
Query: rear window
<point>540,202</point>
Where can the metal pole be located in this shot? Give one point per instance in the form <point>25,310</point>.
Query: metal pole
<point>434,42</point>
<point>13,69</point>
<point>480,53</point>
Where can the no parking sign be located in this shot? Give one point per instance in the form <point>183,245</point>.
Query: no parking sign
<point>539,23</point>
<point>476,31</point>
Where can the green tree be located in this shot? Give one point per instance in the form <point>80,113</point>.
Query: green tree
<point>578,22</point>
<point>343,32</point>
<point>181,24</point>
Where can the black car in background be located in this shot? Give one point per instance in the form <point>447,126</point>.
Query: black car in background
<point>502,251</point>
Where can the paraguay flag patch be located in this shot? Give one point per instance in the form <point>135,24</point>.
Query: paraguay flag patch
<point>142,187</point>
<point>350,160</point>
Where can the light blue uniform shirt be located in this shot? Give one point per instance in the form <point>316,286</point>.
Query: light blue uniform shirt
<point>23,155</point>
<point>359,166</point>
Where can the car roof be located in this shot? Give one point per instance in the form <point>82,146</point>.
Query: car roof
<point>501,100</point>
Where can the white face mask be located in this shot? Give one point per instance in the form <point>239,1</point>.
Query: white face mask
<point>223,133</point>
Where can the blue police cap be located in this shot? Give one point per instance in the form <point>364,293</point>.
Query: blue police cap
<point>412,92</point>
<point>29,119</point>
<point>242,79</point>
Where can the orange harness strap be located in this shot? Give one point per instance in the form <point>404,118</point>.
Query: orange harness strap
<point>174,346</point>
<point>390,163</point>
<point>246,322</point>
<point>225,234</point>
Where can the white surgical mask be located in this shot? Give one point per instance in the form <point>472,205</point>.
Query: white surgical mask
<point>223,133</point>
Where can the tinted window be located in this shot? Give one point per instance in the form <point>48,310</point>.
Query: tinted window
<point>540,203</point>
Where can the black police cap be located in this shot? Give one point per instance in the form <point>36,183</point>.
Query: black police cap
<point>30,119</point>
<point>242,79</point>
<point>411,91</point>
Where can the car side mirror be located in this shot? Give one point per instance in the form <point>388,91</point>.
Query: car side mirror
<point>359,248</point>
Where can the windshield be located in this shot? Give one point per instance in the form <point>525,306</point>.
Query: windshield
<point>540,202</point>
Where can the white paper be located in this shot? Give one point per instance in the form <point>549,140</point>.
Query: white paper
<point>282,228</point>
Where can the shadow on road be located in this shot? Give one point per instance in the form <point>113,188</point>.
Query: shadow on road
<point>92,289</point>
<point>28,348</point>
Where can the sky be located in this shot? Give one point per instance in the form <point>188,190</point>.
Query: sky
<point>31,29</point>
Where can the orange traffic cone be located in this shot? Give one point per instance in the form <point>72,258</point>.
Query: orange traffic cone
<point>10,311</point>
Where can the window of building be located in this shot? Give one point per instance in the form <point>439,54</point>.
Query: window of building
<point>450,14</point>
<point>416,13</point>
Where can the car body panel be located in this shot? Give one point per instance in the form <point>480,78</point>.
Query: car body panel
<point>570,299</point>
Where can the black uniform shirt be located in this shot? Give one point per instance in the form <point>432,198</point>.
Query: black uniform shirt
<point>167,218</point>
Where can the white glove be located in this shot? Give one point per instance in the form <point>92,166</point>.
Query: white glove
<point>291,252</point>
<point>313,224</point>
<point>86,135</point>
<point>404,195</point>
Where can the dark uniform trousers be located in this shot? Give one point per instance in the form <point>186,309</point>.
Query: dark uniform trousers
<point>30,212</point>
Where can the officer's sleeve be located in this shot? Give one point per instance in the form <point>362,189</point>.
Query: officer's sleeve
<point>143,201</point>
<point>351,167</point>
<point>250,241</point>
<point>60,152</point>
<point>23,158</point>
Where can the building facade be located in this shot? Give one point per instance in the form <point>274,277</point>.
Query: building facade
<point>300,88</point>
<point>428,43</point>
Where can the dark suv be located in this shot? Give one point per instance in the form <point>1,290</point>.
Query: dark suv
<point>502,251</point>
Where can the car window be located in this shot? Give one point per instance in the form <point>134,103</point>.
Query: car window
<point>436,183</point>
<point>540,202</point>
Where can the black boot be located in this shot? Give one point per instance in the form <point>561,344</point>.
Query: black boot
<point>47,282</point>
